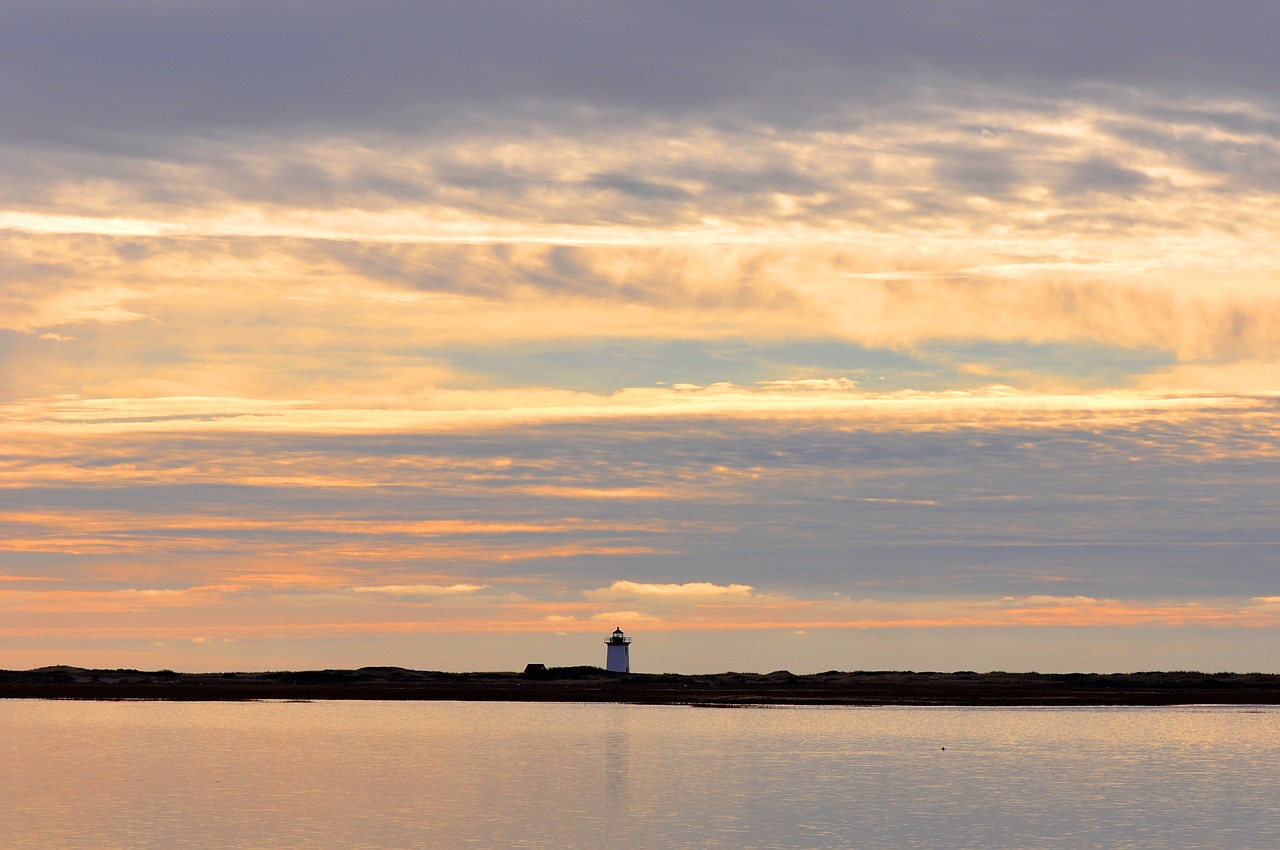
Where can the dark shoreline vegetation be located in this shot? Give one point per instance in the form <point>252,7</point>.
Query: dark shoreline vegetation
<point>592,684</point>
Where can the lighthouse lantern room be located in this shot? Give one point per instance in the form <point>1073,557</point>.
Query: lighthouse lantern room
<point>619,658</point>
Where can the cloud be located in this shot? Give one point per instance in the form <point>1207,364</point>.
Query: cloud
<point>86,598</point>
<point>84,71</point>
<point>422,589</point>
<point>1050,601</point>
<point>625,617</point>
<point>1100,174</point>
<point>692,591</point>
<point>811,385</point>
<point>812,233</point>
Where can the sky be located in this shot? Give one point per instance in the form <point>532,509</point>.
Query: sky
<point>452,335</point>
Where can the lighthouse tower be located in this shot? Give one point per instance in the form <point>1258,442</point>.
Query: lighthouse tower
<point>619,657</point>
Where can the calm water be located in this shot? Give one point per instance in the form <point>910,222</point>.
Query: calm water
<point>406,775</point>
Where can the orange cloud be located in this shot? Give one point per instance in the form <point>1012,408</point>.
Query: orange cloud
<point>123,599</point>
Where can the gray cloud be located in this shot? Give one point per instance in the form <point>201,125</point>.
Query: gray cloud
<point>991,173</point>
<point>884,168</point>
<point>1137,508</point>
<point>659,277</point>
<point>640,189</point>
<point>1100,174</point>
<point>76,68</point>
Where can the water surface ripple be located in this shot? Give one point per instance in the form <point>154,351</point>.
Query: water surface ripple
<point>349,774</point>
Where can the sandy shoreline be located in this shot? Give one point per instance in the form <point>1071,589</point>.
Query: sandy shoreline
<point>589,684</point>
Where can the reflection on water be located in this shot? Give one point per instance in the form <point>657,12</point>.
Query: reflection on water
<point>84,775</point>
<point>617,742</point>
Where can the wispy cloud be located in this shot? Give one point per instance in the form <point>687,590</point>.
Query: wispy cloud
<point>422,589</point>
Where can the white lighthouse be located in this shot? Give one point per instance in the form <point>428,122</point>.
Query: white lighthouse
<point>619,658</point>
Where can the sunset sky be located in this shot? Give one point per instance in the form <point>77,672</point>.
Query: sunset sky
<point>452,335</point>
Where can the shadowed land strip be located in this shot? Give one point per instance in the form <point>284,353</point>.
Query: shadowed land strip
<point>591,684</point>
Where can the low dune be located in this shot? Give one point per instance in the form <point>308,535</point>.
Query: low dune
<point>592,684</point>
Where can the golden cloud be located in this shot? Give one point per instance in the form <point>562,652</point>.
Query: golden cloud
<point>422,589</point>
<point>1049,252</point>
<point>625,617</point>
<point>689,591</point>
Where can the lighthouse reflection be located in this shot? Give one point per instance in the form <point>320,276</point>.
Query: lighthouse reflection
<point>617,767</point>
